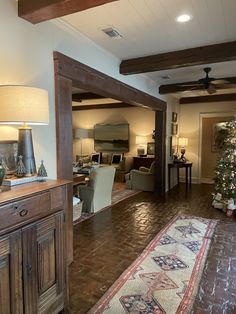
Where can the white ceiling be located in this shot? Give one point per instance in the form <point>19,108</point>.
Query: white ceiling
<point>149,27</point>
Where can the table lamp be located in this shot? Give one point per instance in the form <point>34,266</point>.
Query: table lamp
<point>25,106</point>
<point>141,141</point>
<point>183,142</point>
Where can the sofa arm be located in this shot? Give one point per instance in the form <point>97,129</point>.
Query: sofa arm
<point>144,169</point>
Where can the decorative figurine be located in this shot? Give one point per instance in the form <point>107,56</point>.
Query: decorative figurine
<point>2,172</point>
<point>42,173</point>
<point>20,168</point>
<point>4,164</point>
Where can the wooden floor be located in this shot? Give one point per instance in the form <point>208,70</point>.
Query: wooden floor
<point>107,243</point>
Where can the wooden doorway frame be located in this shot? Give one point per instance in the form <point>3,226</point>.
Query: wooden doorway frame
<point>70,72</point>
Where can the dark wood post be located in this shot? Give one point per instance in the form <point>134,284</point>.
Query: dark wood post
<point>160,151</point>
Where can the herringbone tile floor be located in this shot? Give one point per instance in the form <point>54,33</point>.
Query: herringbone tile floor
<point>107,243</point>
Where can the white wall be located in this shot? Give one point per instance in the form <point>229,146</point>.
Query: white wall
<point>190,127</point>
<point>172,106</point>
<point>26,58</point>
<point>141,122</point>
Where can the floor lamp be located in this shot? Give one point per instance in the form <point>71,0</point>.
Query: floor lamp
<point>24,105</point>
<point>81,134</point>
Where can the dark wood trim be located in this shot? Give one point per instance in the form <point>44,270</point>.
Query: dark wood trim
<point>64,136</point>
<point>44,10</point>
<point>210,98</point>
<point>85,96</point>
<point>70,72</point>
<point>87,78</point>
<point>181,58</point>
<point>175,88</point>
<point>64,122</point>
<point>160,151</point>
<point>102,106</point>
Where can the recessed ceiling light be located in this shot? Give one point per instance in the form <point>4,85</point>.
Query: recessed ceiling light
<point>183,18</point>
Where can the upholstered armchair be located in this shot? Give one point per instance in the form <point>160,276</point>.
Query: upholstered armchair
<point>142,179</point>
<point>97,194</point>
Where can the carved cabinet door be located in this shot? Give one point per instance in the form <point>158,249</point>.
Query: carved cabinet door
<point>11,300</point>
<point>43,271</point>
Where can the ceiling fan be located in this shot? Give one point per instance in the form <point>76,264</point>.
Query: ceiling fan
<point>207,83</point>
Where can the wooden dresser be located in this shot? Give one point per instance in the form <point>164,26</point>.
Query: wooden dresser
<point>33,265</point>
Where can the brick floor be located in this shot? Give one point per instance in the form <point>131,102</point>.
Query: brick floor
<point>107,243</point>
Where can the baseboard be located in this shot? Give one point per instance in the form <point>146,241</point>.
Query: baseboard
<point>207,181</point>
<point>195,180</point>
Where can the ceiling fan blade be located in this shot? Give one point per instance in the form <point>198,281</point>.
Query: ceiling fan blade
<point>225,86</point>
<point>211,89</point>
<point>220,82</point>
<point>189,85</point>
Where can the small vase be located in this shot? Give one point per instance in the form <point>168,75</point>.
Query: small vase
<point>2,173</point>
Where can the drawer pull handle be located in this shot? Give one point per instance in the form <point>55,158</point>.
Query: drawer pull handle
<point>23,212</point>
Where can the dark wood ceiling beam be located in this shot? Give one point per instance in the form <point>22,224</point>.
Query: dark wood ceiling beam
<point>102,106</point>
<point>174,88</point>
<point>85,96</point>
<point>36,11</point>
<point>181,58</point>
<point>210,98</point>
<point>87,78</point>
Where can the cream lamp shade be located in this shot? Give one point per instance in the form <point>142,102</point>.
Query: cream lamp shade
<point>81,133</point>
<point>183,141</point>
<point>24,105</point>
<point>140,140</point>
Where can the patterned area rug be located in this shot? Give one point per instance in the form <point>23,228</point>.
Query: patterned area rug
<point>165,278</point>
<point>117,196</point>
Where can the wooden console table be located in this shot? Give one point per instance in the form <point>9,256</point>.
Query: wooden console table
<point>142,161</point>
<point>178,165</point>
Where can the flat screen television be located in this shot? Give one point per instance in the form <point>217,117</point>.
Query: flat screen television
<point>111,137</point>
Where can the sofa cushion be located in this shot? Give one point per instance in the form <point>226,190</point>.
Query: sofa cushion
<point>116,158</point>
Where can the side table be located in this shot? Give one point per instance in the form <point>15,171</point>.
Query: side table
<point>188,172</point>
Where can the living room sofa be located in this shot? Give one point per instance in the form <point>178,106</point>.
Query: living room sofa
<point>122,167</point>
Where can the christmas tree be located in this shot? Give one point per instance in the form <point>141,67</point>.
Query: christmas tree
<point>225,179</point>
<point>42,173</point>
<point>20,168</point>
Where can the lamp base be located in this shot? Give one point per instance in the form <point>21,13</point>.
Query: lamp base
<point>25,149</point>
<point>140,151</point>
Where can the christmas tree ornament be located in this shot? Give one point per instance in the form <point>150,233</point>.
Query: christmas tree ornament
<point>42,173</point>
<point>20,168</point>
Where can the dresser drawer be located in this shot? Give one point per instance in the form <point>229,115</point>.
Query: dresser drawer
<point>23,210</point>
